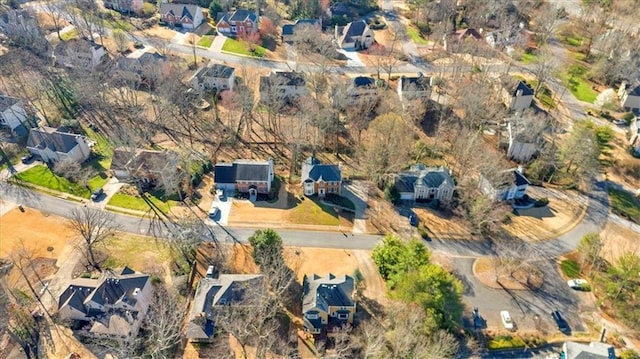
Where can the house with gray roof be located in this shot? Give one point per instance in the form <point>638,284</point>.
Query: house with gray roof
<point>504,185</point>
<point>320,179</point>
<point>147,68</point>
<point>212,293</point>
<point>593,350</point>
<point>414,88</point>
<point>240,23</point>
<point>188,16</point>
<point>327,302</point>
<point>282,86</point>
<point>148,167</point>
<point>629,94</point>
<point>14,116</point>
<point>245,176</point>
<point>516,94</point>
<point>52,145</point>
<point>288,30</point>
<point>215,77</point>
<point>80,54</point>
<point>355,35</point>
<point>425,184</point>
<point>113,305</point>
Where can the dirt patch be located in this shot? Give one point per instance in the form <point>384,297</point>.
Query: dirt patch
<point>159,32</point>
<point>64,343</point>
<point>565,210</point>
<point>618,240</point>
<point>484,270</point>
<point>443,226</point>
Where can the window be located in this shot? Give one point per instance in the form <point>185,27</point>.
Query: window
<point>343,316</point>
<point>312,316</point>
<point>233,29</point>
<point>241,28</point>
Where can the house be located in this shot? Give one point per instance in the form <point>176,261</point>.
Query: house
<point>460,37</point>
<point>282,86</point>
<point>239,23</point>
<point>355,36</point>
<point>413,88</point>
<point>634,138</point>
<point>320,179</point>
<point>113,305</point>
<point>593,350</point>
<point>502,187</point>
<point>79,53</point>
<point>629,94</point>
<point>245,176</point>
<point>359,89</point>
<point>521,146</point>
<point>181,15</point>
<point>149,167</point>
<point>425,184</point>
<point>147,68</point>
<point>212,293</point>
<point>327,302</point>
<point>517,95</point>
<point>215,77</point>
<point>53,145</point>
<point>288,30</point>
<point>14,116</point>
<point>124,6</point>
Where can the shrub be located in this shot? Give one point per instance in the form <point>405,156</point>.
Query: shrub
<point>629,354</point>
<point>570,268</point>
<point>148,9</point>
<point>542,202</point>
<point>628,116</point>
<point>392,194</point>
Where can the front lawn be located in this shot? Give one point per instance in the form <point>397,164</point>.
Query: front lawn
<point>139,253</point>
<point>137,203</point>
<point>415,36</point>
<point>205,41</point>
<point>570,268</point>
<point>624,204</point>
<point>242,48</point>
<point>340,201</point>
<point>313,212</point>
<point>102,151</point>
<point>41,175</point>
<point>574,80</point>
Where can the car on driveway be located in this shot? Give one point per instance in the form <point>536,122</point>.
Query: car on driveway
<point>578,284</point>
<point>562,324</point>
<point>97,194</point>
<point>213,212</point>
<point>506,320</point>
<point>27,159</point>
<point>413,220</point>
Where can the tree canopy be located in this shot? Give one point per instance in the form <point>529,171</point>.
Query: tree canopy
<point>267,246</point>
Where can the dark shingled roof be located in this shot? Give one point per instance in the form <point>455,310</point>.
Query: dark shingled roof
<point>224,173</point>
<point>238,15</point>
<point>355,28</point>
<point>419,175</point>
<point>322,292</point>
<point>419,83</point>
<point>7,101</point>
<point>520,179</point>
<point>289,78</point>
<point>313,170</point>
<point>513,86</point>
<point>252,172</point>
<point>288,29</point>
<point>180,10</point>
<point>43,137</point>
<point>362,81</point>
<point>217,71</point>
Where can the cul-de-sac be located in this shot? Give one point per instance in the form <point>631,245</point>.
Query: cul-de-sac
<point>274,179</point>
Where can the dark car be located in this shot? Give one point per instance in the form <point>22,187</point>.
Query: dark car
<point>560,322</point>
<point>138,45</point>
<point>26,159</point>
<point>477,319</point>
<point>413,220</point>
<point>97,194</point>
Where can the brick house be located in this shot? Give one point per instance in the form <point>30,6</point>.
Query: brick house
<point>320,179</point>
<point>245,176</point>
<point>239,23</point>
<point>181,15</point>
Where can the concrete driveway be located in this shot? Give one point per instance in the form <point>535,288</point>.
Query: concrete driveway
<point>357,192</point>
<point>224,204</point>
<point>110,188</point>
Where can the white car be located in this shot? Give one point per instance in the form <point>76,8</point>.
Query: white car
<point>213,211</point>
<point>577,283</point>
<point>506,320</point>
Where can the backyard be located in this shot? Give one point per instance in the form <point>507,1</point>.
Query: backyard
<point>123,199</point>
<point>575,79</point>
<point>624,204</point>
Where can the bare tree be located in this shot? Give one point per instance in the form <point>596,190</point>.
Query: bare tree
<point>164,323</point>
<point>543,68</point>
<point>121,40</point>
<point>57,16</point>
<point>94,227</point>
<point>547,20</point>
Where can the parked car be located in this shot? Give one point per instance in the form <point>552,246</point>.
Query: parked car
<point>619,122</point>
<point>506,320</point>
<point>26,159</point>
<point>213,211</point>
<point>477,319</point>
<point>220,194</point>
<point>560,322</point>
<point>138,45</point>
<point>413,220</point>
<point>578,284</point>
<point>97,194</point>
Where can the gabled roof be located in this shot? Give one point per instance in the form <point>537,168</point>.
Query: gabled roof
<point>242,170</point>
<point>224,290</point>
<point>418,83</point>
<point>217,71</point>
<point>419,175</point>
<point>284,78</point>
<point>313,170</point>
<point>287,29</point>
<point>238,15</point>
<point>466,33</point>
<point>363,81</point>
<point>520,179</point>
<point>7,101</point>
<point>633,89</point>
<point>224,173</point>
<point>135,159</point>
<point>49,137</point>
<point>594,350</point>
<point>179,10</point>
<point>514,85</point>
<point>151,58</point>
<point>322,292</point>
<point>74,46</point>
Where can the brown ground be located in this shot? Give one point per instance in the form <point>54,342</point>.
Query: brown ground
<point>443,226</point>
<point>484,270</point>
<point>160,32</point>
<point>617,241</point>
<point>565,210</point>
<point>622,171</point>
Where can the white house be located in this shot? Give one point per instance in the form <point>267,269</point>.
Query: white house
<point>279,86</point>
<point>593,350</point>
<point>355,36</point>
<point>503,187</point>
<point>79,53</point>
<point>114,305</point>
<point>52,145</point>
<point>425,184</point>
<point>629,95</point>
<point>14,116</point>
<point>215,77</point>
<point>517,95</point>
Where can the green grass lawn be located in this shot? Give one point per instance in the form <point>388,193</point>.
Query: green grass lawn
<point>578,86</point>
<point>205,41</point>
<point>242,48</point>
<point>572,40</point>
<point>624,204</point>
<point>117,23</point>
<point>528,58</point>
<point>138,204</point>
<point>139,253</point>
<point>102,150</point>
<point>69,35</point>
<point>312,212</point>
<point>544,95</point>
<point>41,175</point>
<point>415,36</point>
<point>340,201</point>
<point>505,342</point>
<point>570,268</point>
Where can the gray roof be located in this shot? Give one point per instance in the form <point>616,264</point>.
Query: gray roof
<point>48,137</point>
<point>179,10</point>
<point>133,159</point>
<point>363,81</point>
<point>238,15</point>
<point>76,45</point>
<point>7,101</point>
<point>287,29</point>
<point>211,292</point>
<point>419,83</point>
<point>419,175</point>
<point>593,350</point>
<point>224,173</point>
<point>242,170</point>
<point>217,71</point>
<point>313,170</point>
<point>513,86</point>
<point>633,89</point>
<point>322,292</point>
<point>288,78</point>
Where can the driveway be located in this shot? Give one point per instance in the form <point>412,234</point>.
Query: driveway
<point>224,205</point>
<point>218,42</point>
<point>357,192</point>
<point>110,188</point>
<point>352,58</point>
